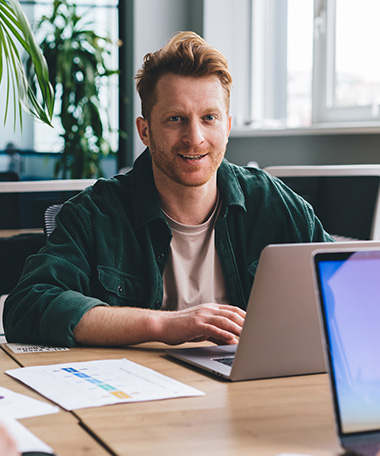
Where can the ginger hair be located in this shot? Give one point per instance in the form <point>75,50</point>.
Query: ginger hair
<point>186,54</point>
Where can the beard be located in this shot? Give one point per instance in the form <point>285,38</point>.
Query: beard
<point>172,163</point>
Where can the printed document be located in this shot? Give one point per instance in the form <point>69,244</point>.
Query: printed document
<point>95,383</point>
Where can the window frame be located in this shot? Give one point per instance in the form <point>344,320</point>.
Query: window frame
<point>249,103</point>
<point>25,138</point>
<point>323,88</point>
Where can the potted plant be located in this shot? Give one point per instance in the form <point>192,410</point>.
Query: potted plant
<point>77,59</point>
<point>15,29</point>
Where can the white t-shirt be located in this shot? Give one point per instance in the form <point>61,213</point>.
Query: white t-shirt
<point>193,274</point>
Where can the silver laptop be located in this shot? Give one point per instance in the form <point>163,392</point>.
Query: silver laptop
<point>349,294</point>
<point>281,334</point>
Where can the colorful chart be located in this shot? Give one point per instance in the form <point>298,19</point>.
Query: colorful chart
<point>96,383</point>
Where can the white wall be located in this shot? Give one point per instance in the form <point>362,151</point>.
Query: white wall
<point>155,22</point>
<point>221,18</point>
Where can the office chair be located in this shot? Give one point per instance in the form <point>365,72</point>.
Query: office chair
<point>49,218</point>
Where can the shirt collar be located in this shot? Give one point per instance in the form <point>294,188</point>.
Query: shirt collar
<point>146,202</point>
<point>230,189</point>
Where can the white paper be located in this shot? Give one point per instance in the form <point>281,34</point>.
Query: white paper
<point>17,406</point>
<point>26,440</point>
<point>96,383</point>
<point>26,348</point>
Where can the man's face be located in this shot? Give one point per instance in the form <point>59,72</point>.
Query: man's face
<point>188,129</point>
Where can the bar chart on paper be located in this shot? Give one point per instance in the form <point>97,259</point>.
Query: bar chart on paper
<point>90,375</point>
<point>97,383</point>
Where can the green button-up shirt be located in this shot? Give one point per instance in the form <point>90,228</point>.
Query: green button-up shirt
<point>112,241</point>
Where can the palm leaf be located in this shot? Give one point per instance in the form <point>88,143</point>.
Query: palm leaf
<point>14,26</point>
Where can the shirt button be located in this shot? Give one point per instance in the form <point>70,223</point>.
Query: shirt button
<point>160,256</point>
<point>120,289</point>
<point>157,305</point>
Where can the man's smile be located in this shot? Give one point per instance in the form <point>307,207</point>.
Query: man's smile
<point>192,157</point>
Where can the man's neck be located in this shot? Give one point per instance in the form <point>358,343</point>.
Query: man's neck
<point>188,205</point>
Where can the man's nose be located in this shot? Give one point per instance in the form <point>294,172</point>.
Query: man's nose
<point>193,134</point>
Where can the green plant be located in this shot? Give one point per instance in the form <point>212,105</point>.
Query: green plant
<point>15,28</point>
<point>77,59</point>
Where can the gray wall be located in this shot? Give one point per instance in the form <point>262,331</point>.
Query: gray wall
<point>323,149</point>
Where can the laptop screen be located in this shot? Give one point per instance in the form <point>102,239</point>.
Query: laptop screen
<point>349,286</point>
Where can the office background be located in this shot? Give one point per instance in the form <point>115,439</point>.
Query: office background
<point>145,25</point>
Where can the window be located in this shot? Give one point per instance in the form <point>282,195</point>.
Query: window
<point>347,67</point>
<point>282,54</point>
<point>299,62</point>
<point>309,62</point>
<point>102,15</point>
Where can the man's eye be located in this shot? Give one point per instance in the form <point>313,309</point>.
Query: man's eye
<point>175,118</point>
<point>210,117</point>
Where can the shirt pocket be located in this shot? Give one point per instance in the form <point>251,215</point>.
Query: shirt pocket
<point>121,288</point>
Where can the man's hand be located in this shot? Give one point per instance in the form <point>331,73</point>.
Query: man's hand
<point>218,323</point>
<point>106,326</point>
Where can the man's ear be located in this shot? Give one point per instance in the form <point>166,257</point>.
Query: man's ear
<point>143,130</point>
<point>229,124</point>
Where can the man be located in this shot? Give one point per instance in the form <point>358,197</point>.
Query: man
<point>167,252</point>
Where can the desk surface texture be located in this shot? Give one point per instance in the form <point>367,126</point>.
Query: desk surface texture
<point>263,417</point>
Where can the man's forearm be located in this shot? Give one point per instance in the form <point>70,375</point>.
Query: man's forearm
<point>107,326</point>
<point>111,326</point>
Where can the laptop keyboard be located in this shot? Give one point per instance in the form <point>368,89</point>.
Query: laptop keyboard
<point>228,360</point>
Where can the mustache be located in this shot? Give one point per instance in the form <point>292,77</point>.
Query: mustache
<point>191,150</point>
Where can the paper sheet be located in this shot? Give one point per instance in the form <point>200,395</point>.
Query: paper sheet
<point>17,406</point>
<point>26,348</point>
<point>97,383</point>
<point>26,440</point>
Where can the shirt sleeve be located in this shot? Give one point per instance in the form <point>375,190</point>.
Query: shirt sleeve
<point>53,292</point>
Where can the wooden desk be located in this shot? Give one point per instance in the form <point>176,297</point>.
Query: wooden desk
<point>62,431</point>
<point>16,232</point>
<point>265,417</point>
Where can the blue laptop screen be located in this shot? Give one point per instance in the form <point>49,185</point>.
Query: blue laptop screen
<point>350,292</point>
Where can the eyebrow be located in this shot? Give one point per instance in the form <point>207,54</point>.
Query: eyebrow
<point>180,111</point>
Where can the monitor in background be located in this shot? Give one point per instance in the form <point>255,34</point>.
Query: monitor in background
<point>22,207</point>
<point>345,198</point>
<point>23,204</point>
